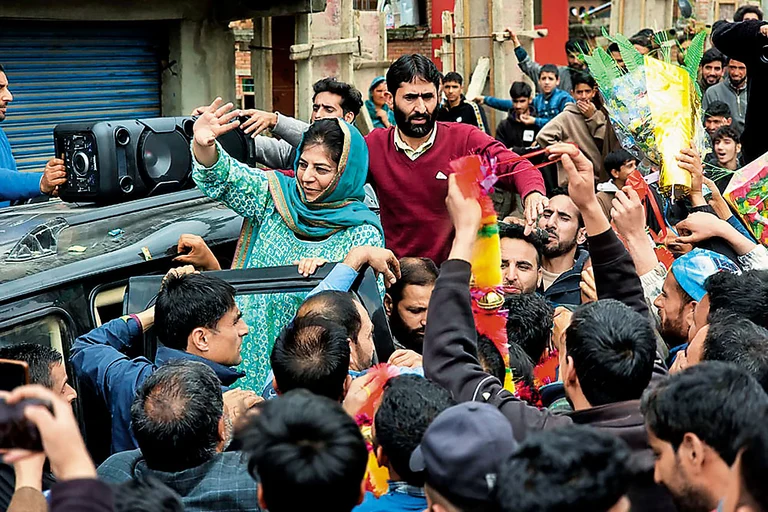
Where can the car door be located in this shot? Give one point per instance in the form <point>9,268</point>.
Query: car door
<point>142,291</point>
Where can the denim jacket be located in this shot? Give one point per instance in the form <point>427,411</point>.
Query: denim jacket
<point>98,360</point>
<point>547,106</point>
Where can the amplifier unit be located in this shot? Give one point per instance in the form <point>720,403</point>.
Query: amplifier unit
<point>113,161</point>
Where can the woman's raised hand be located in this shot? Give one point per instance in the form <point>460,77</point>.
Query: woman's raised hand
<point>214,121</point>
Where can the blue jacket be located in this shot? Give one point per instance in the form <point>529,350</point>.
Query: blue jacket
<point>400,498</point>
<point>15,185</point>
<point>98,360</point>
<point>547,106</point>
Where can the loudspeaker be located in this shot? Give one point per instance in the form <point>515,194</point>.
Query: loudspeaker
<point>237,144</point>
<point>113,161</point>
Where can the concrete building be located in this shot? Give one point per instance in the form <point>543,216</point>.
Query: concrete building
<point>86,60</point>
<point>551,14</point>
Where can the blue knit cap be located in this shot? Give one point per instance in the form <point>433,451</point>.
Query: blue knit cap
<point>692,270</point>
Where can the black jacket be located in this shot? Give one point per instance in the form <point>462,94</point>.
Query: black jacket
<point>84,495</point>
<point>625,420</point>
<point>516,135</point>
<point>450,357</point>
<point>465,112</point>
<point>744,42</point>
<point>566,289</point>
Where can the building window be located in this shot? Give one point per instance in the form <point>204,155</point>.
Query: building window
<point>248,98</point>
<point>725,9</point>
<point>365,5</point>
<point>537,20</point>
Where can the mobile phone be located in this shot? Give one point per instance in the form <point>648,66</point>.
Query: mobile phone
<point>15,430</point>
<point>13,374</point>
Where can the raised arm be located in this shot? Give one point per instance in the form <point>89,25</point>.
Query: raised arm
<point>343,275</point>
<point>700,226</point>
<point>521,177</point>
<point>273,153</point>
<point>526,64</point>
<point>552,133</point>
<point>615,274</point>
<point>629,216</point>
<point>220,176</point>
<point>450,341</point>
<point>290,129</point>
<point>743,41</point>
<point>98,358</point>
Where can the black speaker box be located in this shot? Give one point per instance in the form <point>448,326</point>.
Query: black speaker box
<point>113,161</point>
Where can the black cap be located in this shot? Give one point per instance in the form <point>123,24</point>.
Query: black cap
<point>463,448</point>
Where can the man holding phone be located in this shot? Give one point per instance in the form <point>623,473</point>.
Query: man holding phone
<point>195,317</point>
<point>44,367</point>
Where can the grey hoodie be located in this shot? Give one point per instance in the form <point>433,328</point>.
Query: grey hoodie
<point>280,153</point>
<point>736,100</point>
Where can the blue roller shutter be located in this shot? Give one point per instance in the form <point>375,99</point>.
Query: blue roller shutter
<point>62,73</point>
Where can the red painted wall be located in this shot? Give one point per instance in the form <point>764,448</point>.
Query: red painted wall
<point>551,49</point>
<point>438,6</point>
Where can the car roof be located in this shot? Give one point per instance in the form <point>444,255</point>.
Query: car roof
<point>46,244</point>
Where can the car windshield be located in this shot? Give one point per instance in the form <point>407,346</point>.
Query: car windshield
<point>47,236</point>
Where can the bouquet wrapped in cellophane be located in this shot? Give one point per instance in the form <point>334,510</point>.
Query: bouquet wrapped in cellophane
<point>654,106</point>
<point>747,192</point>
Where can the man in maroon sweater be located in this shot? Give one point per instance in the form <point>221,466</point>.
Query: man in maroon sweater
<point>409,164</point>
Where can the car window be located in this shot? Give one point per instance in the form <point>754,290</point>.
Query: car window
<point>107,303</point>
<point>254,285</point>
<point>49,330</point>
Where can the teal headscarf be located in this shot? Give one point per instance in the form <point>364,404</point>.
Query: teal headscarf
<point>372,106</point>
<point>340,206</point>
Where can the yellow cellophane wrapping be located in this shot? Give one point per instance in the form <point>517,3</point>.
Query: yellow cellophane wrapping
<point>671,97</point>
<point>376,477</point>
<point>486,258</point>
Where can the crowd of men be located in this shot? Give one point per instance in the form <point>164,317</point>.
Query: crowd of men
<point>637,336</point>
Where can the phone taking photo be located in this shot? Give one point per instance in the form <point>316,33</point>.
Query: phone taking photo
<point>15,430</point>
<point>13,374</point>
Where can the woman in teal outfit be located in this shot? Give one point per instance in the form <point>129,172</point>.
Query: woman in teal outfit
<point>377,104</point>
<point>318,214</point>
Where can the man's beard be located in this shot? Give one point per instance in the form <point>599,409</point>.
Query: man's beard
<point>507,286</point>
<point>562,247</point>
<point>412,339</point>
<point>416,131</point>
<point>672,332</point>
<point>712,79</point>
<point>692,500</point>
<point>364,361</point>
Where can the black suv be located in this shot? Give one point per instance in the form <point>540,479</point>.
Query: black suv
<point>67,268</point>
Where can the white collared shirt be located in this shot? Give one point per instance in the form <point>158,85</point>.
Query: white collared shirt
<point>411,153</point>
